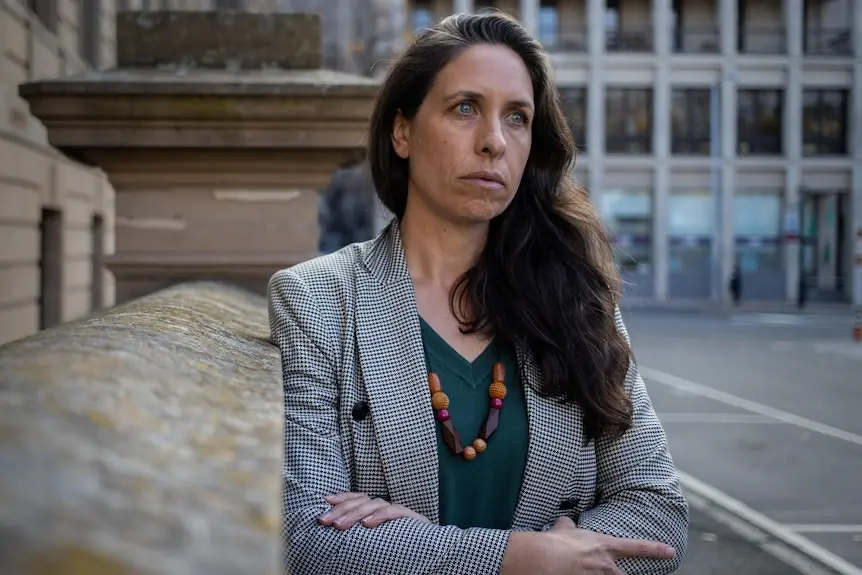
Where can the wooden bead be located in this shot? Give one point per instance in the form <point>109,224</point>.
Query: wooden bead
<point>434,384</point>
<point>469,453</point>
<point>499,372</point>
<point>440,401</point>
<point>497,390</point>
<point>479,445</point>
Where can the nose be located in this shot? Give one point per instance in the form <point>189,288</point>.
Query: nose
<point>491,141</point>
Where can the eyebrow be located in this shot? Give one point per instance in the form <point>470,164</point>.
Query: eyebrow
<point>471,95</point>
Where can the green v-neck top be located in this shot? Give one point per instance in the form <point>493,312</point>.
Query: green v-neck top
<point>482,492</point>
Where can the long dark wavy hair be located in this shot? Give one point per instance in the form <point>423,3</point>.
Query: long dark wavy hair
<point>546,278</point>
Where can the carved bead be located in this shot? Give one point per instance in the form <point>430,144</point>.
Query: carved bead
<point>497,403</point>
<point>499,372</point>
<point>440,400</point>
<point>479,445</point>
<point>443,415</point>
<point>497,389</point>
<point>469,453</point>
<point>434,384</point>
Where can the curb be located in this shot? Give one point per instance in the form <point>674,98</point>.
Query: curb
<point>795,550</point>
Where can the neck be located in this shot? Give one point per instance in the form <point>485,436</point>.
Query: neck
<point>439,252</point>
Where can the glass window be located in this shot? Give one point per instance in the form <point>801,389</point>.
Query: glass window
<point>627,215</point>
<point>575,107</point>
<point>423,16</point>
<point>628,120</point>
<point>759,117</point>
<point>549,24</point>
<point>691,227</point>
<point>690,121</point>
<point>824,122</point>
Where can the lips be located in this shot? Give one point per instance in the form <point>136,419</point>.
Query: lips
<point>484,179</point>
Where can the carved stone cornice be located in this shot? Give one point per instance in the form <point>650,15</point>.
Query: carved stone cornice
<point>139,109</point>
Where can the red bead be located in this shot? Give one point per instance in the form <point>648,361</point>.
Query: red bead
<point>443,415</point>
<point>497,403</point>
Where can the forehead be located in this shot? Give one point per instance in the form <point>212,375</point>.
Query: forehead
<point>490,70</point>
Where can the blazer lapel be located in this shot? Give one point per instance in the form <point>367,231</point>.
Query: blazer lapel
<point>391,360</point>
<point>556,439</point>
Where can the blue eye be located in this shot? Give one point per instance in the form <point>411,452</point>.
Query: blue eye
<point>519,118</point>
<point>465,108</point>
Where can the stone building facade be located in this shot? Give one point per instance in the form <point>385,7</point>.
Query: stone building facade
<point>55,214</point>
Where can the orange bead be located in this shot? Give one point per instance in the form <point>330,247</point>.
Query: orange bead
<point>469,453</point>
<point>499,372</point>
<point>479,445</point>
<point>497,390</point>
<point>434,384</point>
<point>440,401</point>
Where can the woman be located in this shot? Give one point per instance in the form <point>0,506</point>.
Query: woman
<point>459,393</point>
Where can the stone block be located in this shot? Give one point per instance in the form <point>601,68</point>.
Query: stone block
<point>219,40</point>
<point>144,439</point>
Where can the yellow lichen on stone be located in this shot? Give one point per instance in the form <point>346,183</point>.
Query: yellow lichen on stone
<point>76,561</point>
<point>100,420</point>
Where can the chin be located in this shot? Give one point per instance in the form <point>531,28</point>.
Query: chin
<point>482,213</point>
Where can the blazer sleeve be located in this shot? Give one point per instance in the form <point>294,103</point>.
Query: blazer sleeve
<point>314,466</point>
<point>640,494</point>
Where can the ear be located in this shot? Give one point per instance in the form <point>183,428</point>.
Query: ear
<point>401,136</point>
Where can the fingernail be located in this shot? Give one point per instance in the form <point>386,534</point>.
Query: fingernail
<point>670,552</point>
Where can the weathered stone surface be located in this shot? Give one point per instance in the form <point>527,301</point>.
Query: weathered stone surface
<point>145,439</point>
<point>219,39</point>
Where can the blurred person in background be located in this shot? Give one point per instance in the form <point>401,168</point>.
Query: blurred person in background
<point>460,393</point>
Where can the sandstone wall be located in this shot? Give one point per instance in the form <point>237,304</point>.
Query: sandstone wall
<point>45,282</point>
<point>145,439</point>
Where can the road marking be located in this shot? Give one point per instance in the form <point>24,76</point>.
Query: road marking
<point>736,401</point>
<point>823,528</point>
<point>772,529</point>
<point>719,418</point>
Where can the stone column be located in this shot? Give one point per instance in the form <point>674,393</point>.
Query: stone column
<point>661,148</point>
<point>856,147</point>
<point>595,99</point>
<point>529,12</point>
<point>792,142</point>
<point>462,6</point>
<point>728,20</point>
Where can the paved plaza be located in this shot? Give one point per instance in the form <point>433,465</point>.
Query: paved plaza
<point>762,412</point>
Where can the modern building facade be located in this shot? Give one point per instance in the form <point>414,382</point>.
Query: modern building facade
<point>55,214</point>
<point>713,134</point>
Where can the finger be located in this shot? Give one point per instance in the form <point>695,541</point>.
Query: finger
<point>389,513</point>
<point>337,498</point>
<point>640,548</point>
<point>355,514</point>
<point>342,503</point>
<point>563,524</point>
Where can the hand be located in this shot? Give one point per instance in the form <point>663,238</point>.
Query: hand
<point>585,552</point>
<point>348,508</point>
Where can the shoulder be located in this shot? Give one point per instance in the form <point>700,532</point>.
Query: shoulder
<point>320,277</point>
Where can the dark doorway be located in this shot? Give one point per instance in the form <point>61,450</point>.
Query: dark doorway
<point>51,268</point>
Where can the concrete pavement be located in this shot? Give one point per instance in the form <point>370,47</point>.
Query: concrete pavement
<point>764,410</point>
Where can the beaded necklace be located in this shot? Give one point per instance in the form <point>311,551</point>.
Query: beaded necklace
<point>440,403</point>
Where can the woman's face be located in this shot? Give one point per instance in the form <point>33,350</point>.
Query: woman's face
<point>469,141</point>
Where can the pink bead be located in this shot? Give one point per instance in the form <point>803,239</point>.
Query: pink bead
<point>443,415</point>
<point>497,403</point>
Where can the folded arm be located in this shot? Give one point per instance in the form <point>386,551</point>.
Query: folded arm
<point>640,493</point>
<point>314,467</point>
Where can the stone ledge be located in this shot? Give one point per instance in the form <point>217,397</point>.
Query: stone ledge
<point>144,439</point>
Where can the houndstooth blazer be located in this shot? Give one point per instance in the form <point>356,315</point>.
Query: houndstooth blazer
<point>358,418</point>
